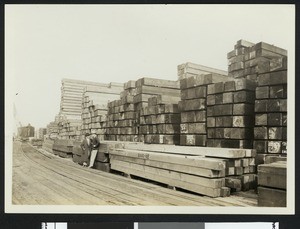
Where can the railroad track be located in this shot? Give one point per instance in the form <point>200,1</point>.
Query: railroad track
<point>63,181</point>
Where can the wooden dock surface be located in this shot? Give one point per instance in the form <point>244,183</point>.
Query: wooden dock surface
<point>40,178</point>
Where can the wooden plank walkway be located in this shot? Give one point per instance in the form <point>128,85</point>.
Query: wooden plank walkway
<point>40,178</point>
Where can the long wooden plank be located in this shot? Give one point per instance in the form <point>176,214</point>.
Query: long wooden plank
<point>206,182</point>
<point>202,67</point>
<point>196,161</point>
<point>166,180</point>
<point>171,166</point>
<point>200,151</point>
<point>157,82</point>
<point>158,91</point>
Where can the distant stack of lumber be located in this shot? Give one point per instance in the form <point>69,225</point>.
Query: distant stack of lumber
<point>272,183</point>
<point>147,87</point>
<point>270,132</point>
<point>160,120</point>
<point>247,60</point>
<point>230,114</point>
<point>69,128</point>
<point>63,147</point>
<point>48,145</point>
<point>71,95</point>
<point>52,128</point>
<point>198,169</point>
<point>94,108</point>
<point>193,106</point>
<point>189,69</point>
<point>121,118</point>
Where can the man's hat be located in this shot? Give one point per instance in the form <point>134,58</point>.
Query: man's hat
<point>87,134</point>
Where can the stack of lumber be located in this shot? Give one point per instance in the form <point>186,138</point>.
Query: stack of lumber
<point>198,169</point>
<point>52,128</point>
<point>230,114</point>
<point>71,95</point>
<point>160,120</point>
<point>121,118</point>
<point>272,184</point>
<point>69,128</point>
<point>94,108</point>
<point>192,70</point>
<point>247,59</point>
<point>74,92</point>
<point>270,132</point>
<point>48,145</point>
<point>147,87</point>
<point>63,147</point>
<point>193,107</point>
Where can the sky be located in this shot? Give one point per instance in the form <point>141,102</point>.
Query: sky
<point>117,43</point>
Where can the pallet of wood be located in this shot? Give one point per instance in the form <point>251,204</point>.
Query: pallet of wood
<point>63,148</point>
<point>193,107</point>
<point>202,170</point>
<point>230,114</point>
<point>160,120</point>
<point>272,184</point>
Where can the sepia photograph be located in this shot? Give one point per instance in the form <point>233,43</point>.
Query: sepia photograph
<point>165,109</point>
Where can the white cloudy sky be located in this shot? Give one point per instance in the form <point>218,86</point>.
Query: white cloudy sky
<point>117,43</point>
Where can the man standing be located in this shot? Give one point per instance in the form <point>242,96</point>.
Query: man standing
<point>86,148</point>
<point>95,143</point>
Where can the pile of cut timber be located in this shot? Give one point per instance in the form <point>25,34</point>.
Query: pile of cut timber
<point>272,184</point>
<point>198,169</point>
<point>48,145</point>
<point>270,132</point>
<point>52,128</point>
<point>71,96</point>
<point>192,70</point>
<point>121,118</point>
<point>63,148</point>
<point>247,59</point>
<point>148,87</point>
<point>160,120</point>
<point>193,106</point>
<point>94,108</point>
<point>69,128</point>
<point>230,114</point>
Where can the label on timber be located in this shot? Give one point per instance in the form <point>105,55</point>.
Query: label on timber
<point>190,140</point>
<point>161,139</point>
<point>274,147</point>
